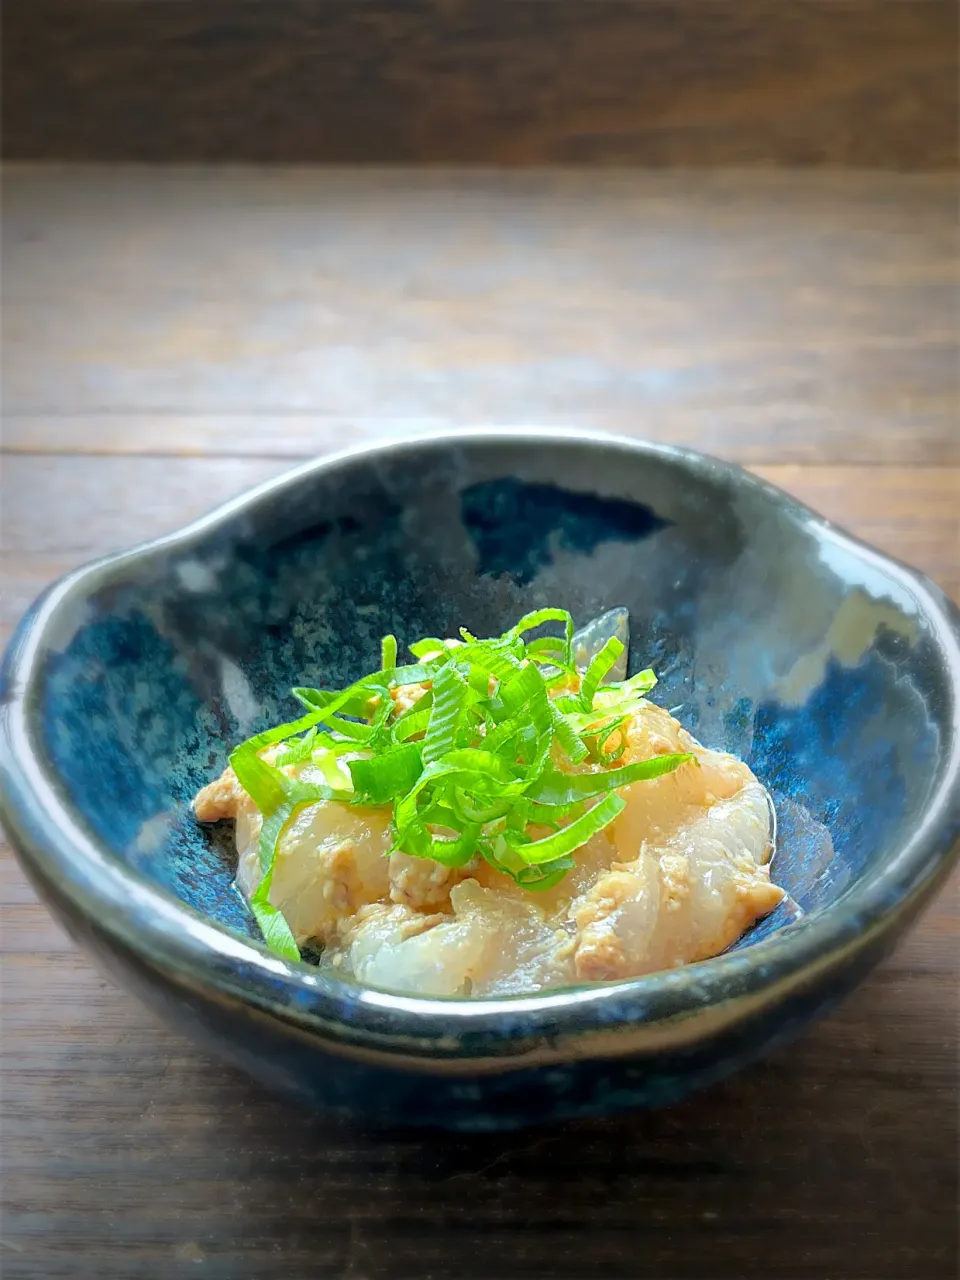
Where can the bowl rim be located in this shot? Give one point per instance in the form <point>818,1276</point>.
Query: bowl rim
<point>646,1014</point>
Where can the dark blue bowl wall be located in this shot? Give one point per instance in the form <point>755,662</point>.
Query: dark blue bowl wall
<point>760,643</point>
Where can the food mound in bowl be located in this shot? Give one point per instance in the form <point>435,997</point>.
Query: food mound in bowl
<point>498,817</point>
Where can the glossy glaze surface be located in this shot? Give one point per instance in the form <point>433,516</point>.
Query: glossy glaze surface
<point>829,669</point>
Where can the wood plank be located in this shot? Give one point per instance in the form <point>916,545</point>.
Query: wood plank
<point>82,507</point>
<point>59,511</point>
<point>770,317</point>
<point>862,83</point>
<point>913,514</point>
<point>171,339</point>
<point>744,433</point>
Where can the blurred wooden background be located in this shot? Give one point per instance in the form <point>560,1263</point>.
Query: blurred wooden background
<point>172,335</point>
<point>855,83</point>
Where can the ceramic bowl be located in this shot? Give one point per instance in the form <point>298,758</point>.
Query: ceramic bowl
<point>831,669</point>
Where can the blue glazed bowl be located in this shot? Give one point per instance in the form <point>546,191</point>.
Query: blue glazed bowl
<point>831,669</point>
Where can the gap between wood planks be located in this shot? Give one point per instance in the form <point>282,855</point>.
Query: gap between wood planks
<point>753,464</point>
<point>741,434</point>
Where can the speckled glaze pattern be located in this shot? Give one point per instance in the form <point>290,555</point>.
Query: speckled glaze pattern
<point>831,670</point>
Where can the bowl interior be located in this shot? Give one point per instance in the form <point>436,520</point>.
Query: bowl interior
<point>773,638</point>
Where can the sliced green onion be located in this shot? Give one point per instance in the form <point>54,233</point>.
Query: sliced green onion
<point>253,746</point>
<point>640,683</point>
<point>471,766</point>
<point>265,785</point>
<point>603,737</point>
<point>276,931</point>
<point>523,691</point>
<point>329,768</point>
<point>544,877</point>
<point>487,772</point>
<point>449,852</point>
<point>429,647</point>
<point>568,839</point>
<point>496,658</point>
<point>598,668</point>
<point>380,724</point>
<point>325,703</point>
<point>469,810</point>
<point>382,779</point>
<point>570,741</point>
<point>449,702</point>
<point>352,729</point>
<point>530,621</point>
<point>298,751</point>
<point>602,716</point>
<point>546,644</point>
<point>556,788</point>
<point>388,653</point>
<point>273,925</point>
<point>415,673</point>
<point>414,720</point>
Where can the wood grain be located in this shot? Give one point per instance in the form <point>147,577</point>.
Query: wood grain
<point>171,339</point>
<point>762,317</point>
<point>866,83</point>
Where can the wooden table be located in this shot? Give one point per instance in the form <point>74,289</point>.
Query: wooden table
<point>171,337</point>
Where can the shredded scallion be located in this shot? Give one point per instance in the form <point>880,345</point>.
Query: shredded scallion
<point>475,748</point>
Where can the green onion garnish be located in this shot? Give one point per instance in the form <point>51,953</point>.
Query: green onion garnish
<point>388,652</point>
<point>597,669</point>
<point>477,761</point>
<point>569,839</point>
